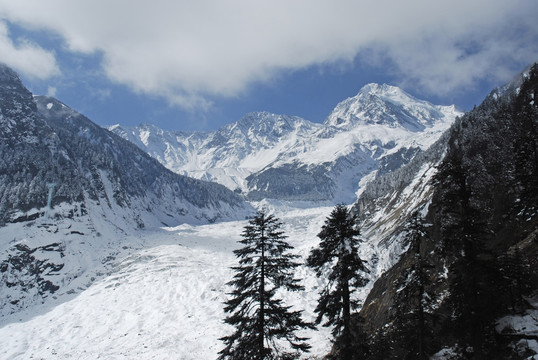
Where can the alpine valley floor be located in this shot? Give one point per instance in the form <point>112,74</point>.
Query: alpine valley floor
<point>162,298</point>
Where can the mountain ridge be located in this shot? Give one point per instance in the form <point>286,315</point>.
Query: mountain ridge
<point>283,157</point>
<point>52,154</point>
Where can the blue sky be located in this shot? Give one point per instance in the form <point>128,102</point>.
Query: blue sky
<point>198,65</point>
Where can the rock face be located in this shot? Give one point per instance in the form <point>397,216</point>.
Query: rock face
<point>273,156</point>
<point>50,154</point>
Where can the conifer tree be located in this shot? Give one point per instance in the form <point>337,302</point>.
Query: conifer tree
<point>473,270</point>
<point>337,260</point>
<point>258,315</point>
<point>526,143</point>
<point>413,297</point>
<point>516,280</point>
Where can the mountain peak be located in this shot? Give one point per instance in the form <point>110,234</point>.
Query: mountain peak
<point>258,117</point>
<point>387,105</point>
<point>380,89</point>
<point>265,124</point>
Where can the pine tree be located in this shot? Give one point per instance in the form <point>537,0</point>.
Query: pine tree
<point>473,267</point>
<point>411,319</point>
<point>516,278</point>
<point>258,315</point>
<point>337,260</point>
<point>526,143</point>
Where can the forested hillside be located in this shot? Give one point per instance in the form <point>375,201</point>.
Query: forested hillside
<point>469,278</point>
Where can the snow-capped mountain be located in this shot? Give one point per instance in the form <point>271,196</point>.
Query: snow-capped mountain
<point>227,155</point>
<point>265,155</point>
<point>52,155</point>
<point>387,105</point>
<point>62,177</point>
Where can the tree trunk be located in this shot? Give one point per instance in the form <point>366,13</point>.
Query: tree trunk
<point>346,314</point>
<point>261,318</point>
<point>421,327</point>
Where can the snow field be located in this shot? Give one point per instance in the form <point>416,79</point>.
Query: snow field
<point>162,301</point>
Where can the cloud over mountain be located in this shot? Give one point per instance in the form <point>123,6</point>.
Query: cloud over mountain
<point>26,57</point>
<point>188,52</point>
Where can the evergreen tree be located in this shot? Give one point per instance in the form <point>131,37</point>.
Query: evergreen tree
<point>258,315</point>
<point>473,267</point>
<point>411,319</point>
<point>516,278</point>
<point>337,260</point>
<point>526,143</point>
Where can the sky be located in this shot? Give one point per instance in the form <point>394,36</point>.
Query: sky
<point>197,65</point>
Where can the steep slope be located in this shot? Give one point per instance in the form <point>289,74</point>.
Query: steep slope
<point>51,155</point>
<point>282,157</point>
<point>65,181</point>
<point>467,282</point>
<point>27,143</point>
<point>387,202</point>
<point>134,175</point>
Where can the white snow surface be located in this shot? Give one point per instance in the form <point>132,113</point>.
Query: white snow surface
<point>149,294</point>
<point>525,325</point>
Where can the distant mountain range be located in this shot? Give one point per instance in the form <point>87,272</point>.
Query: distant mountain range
<point>284,157</point>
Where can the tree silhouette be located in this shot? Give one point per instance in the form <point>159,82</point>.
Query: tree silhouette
<point>337,260</point>
<point>413,330</point>
<point>258,315</point>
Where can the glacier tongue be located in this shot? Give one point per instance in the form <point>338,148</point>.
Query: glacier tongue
<point>154,292</point>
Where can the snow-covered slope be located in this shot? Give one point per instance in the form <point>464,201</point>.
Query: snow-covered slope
<point>50,155</point>
<point>62,174</point>
<point>282,157</point>
<point>152,294</point>
<point>229,154</point>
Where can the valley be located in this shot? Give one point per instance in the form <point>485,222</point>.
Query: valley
<point>161,297</point>
<point>118,243</point>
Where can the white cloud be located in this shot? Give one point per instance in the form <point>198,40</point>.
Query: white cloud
<point>26,57</point>
<point>51,91</point>
<point>189,50</point>
<point>455,61</point>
